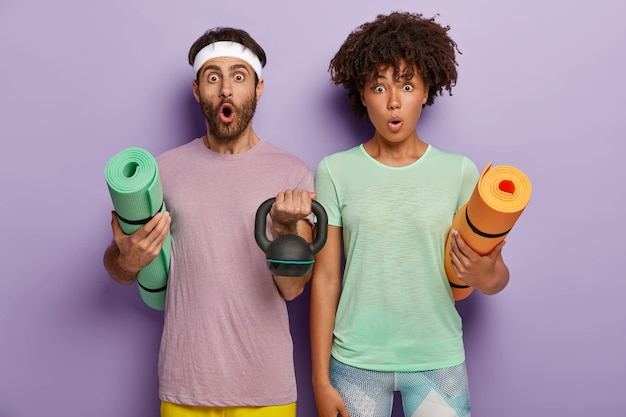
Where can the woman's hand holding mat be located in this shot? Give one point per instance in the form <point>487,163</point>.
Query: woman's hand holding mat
<point>499,198</point>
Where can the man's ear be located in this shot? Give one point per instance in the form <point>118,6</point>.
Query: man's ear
<point>196,90</point>
<point>259,89</point>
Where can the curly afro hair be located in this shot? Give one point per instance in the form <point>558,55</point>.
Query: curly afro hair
<point>388,41</point>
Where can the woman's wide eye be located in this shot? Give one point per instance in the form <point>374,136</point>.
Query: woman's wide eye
<point>408,87</point>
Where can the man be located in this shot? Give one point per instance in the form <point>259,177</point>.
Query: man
<point>226,347</point>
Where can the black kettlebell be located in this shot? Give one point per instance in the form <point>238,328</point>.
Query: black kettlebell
<point>290,255</point>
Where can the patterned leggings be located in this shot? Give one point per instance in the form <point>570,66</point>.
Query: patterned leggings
<point>437,393</point>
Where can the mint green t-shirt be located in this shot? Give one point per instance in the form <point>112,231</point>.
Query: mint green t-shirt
<point>396,311</point>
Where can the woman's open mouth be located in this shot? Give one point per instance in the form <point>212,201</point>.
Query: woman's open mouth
<point>395,124</point>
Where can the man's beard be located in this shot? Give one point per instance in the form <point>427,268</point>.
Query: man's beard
<point>228,132</point>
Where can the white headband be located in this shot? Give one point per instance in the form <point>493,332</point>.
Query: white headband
<point>230,49</point>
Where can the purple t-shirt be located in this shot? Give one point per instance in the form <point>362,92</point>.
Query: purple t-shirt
<point>226,338</point>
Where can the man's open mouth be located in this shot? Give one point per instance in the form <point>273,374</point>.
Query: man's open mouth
<point>227,113</point>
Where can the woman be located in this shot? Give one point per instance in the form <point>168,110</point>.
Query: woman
<point>390,324</point>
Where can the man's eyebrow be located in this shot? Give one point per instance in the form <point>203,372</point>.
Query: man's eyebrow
<point>211,67</point>
<point>239,66</point>
<point>231,68</point>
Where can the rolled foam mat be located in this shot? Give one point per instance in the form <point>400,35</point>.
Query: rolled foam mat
<point>499,198</point>
<point>135,187</point>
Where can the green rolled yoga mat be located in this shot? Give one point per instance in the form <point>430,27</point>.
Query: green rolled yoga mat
<point>135,187</point>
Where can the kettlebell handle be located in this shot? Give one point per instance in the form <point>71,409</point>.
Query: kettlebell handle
<point>260,225</point>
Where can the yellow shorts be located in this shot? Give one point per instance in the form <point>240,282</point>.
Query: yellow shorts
<point>175,410</point>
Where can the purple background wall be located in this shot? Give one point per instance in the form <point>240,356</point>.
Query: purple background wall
<point>540,88</point>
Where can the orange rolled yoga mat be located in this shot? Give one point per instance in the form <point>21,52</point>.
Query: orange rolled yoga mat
<point>500,196</point>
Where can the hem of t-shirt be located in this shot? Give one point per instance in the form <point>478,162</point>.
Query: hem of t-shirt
<point>227,402</point>
<point>334,222</point>
<point>421,367</point>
